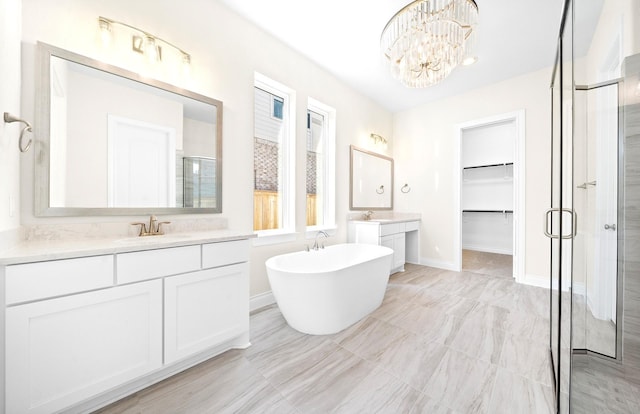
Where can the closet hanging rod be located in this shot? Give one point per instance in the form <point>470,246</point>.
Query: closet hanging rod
<point>488,211</point>
<point>488,165</point>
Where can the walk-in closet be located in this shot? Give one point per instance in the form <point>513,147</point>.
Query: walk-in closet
<point>487,194</point>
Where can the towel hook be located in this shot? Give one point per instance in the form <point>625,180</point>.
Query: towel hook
<point>380,190</point>
<point>8,118</point>
<point>405,188</point>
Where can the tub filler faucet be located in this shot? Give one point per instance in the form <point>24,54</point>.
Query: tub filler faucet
<point>318,234</point>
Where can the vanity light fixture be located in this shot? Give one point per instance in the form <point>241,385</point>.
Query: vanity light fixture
<point>378,138</point>
<point>427,39</point>
<point>141,41</point>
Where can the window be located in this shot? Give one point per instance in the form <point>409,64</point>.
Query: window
<point>274,162</point>
<point>320,177</point>
<point>278,105</point>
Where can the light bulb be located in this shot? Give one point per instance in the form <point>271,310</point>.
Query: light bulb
<point>470,60</point>
<point>105,31</point>
<point>186,64</point>
<point>151,49</point>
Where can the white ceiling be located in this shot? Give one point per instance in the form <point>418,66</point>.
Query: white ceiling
<point>514,37</point>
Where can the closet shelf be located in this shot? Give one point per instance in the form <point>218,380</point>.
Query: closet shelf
<point>489,211</point>
<point>488,165</point>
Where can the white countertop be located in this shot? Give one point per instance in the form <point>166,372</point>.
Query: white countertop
<point>42,250</point>
<point>389,219</point>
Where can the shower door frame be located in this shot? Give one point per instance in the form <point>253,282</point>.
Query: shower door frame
<point>619,221</point>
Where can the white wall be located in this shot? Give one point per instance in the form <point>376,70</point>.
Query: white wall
<point>619,22</point>
<point>226,50</point>
<point>424,151</point>
<point>10,24</point>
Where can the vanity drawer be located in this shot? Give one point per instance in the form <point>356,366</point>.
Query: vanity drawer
<point>412,225</point>
<point>150,264</point>
<point>34,281</point>
<point>386,229</point>
<point>224,253</point>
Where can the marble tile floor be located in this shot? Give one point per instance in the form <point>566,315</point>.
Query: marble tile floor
<point>590,332</point>
<point>487,263</point>
<point>599,386</point>
<point>441,342</point>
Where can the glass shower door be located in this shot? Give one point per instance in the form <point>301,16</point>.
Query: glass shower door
<point>560,218</point>
<point>596,201</point>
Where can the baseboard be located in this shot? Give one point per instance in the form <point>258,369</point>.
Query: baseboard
<point>438,264</point>
<point>261,300</point>
<point>485,249</point>
<point>534,280</point>
<point>543,282</point>
<point>578,289</point>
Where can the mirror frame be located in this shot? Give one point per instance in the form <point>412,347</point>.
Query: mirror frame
<point>42,138</point>
<point>353,148</point>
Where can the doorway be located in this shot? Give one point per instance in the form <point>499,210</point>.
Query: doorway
<point>490,203</point>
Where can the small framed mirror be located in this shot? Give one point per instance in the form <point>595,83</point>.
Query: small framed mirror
<point>111,142</point>
<point>371,184</point>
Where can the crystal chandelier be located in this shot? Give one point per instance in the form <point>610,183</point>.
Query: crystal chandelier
<point>427,39</point>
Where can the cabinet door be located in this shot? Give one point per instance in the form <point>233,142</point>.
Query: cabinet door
<point>395,242</point>
<point>398,251</point>
<point>61,351</point>
<point>204,309</point>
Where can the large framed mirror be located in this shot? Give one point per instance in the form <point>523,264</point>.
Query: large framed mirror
<point>371,184</point>
<point>110,142</point>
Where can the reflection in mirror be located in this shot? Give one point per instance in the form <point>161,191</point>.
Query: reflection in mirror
<point>371,180</point>
<point>114,143</point>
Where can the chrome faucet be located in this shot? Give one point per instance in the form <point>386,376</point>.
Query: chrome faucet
<point>315,244</point>
<point>154,229</point>
<point>367,215</point>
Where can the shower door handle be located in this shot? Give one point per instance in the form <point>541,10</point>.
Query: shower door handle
<point>610,227</point>
<point>574,223</point>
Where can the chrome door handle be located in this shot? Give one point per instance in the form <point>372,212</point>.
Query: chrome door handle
<point>610,227</point>
<point>546,223</point>
<point>574,223</point>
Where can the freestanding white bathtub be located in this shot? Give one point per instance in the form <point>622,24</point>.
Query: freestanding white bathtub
<point>324,291</point>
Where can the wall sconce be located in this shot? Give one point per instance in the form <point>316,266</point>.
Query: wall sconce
<point>141,41</point>
<point>378,138</point>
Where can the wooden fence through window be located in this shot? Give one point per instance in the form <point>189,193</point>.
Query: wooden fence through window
<point>266,208</point>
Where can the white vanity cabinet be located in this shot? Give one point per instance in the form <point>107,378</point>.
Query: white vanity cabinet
<point>401,236</point>
<point>205,308</point>
<point>61,351</point>
<point>84,331</point>
<point>394,239</point>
